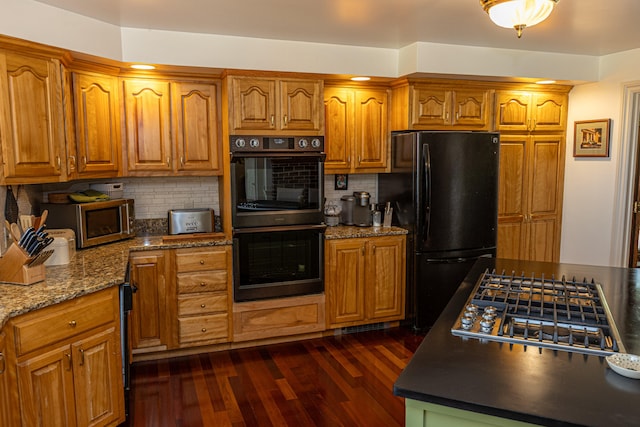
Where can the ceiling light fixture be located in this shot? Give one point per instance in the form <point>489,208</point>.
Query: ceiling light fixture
<point>518,14</point>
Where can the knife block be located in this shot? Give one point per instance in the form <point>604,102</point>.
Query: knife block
<point>14,268</point>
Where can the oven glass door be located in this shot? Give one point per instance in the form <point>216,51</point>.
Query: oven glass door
<point>278,262</point>
<point>103,222</point>
<point>277,190</point>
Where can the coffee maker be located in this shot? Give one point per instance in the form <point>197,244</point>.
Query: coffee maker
<point>361,209</point>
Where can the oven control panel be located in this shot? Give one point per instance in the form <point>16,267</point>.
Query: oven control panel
<point>248,143</point>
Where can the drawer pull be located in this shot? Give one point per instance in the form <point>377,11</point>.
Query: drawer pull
<point>201,262</point>
<point>203,283</point>
<point>203,305</point>
<point>204,329</point>
<point>73,324</point>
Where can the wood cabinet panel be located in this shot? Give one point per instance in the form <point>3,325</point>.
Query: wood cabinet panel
<point>254,103</point>
<point>513,179</point>
<point>5,408</point>
<point>98,145</point>
<point>196,127</point>
<point>345,275</point>
<point>300,104</point>
<point>190,305</point>
<point>357,129</point>
<point>429,107</point>
<point>386,261</point>
<point>208,281</point>
<point>149,326</point>
<point>31,119</point>
<point>148,125</point>
<point>204,329</point>
<point>531,111</point>
<point>201,260</point>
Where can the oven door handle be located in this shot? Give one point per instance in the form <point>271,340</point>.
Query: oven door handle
<point>281,154</point>
<point>279,228</point>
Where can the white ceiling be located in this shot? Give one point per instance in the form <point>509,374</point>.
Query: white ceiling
<point>587,27</point>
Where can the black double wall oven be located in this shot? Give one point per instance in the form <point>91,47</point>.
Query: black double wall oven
<point>277,200</point>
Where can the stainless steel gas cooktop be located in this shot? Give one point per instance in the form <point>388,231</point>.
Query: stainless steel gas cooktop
<point>560,314</point>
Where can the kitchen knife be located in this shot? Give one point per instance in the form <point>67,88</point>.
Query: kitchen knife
<point>42,257</point>
<point>27,233</point>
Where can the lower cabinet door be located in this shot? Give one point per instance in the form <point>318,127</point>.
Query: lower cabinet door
<point>97,375</point>
<point>45,384</point>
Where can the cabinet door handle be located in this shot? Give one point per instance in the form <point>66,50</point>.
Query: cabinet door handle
<point>3,365</point>
<point>285,120</point>
<point>182,160</point>
<point>273,120</point>
<point>535,123</point>
<point>68,356</point>
<point>168,161</point>
<point>58,161</point>
<point>84,161</point>
<point>81,357</point>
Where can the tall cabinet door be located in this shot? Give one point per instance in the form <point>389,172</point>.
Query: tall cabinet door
<point>46,392</point>
<point>4,384</point>
<point>97,120</point>
<point>512,196</point>
<point>345,281</point>
<point>386,271</point>
<point>149,326</point>
<point>371,129</point>
<point>196,126</point>
<point>546,183</point>
<point>31,118</point>
<point>254,104</point>
<point>98,383</point>
<point>148,120</point>
<point>339,129</point>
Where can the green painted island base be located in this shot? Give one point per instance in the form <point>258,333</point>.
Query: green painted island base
<point>423,414</point>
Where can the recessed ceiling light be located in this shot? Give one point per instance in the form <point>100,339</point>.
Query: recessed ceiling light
<point>545,82</point>
<point>143,67</point>
<point>360,79</point>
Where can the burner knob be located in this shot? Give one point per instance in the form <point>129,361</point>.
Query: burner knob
<point>254,143</point>
<point>303,143</point>
<point>240,143</point>
<point>315,143</point>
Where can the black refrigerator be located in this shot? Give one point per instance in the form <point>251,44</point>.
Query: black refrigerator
<point>443,187</point>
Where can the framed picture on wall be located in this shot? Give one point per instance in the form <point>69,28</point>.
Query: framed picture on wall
<point>591,138</point>
<point>342,182</point>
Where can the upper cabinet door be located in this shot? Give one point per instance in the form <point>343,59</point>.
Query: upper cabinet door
<point>531,111</point>
<point>253,104</point>
<point>31,119</point>
<point>549,112</point>
<point>300,105</point>
<point>372,124</point>
<point>513,111</point>
<point>471,108</point>
<point>196,127</point>
<point>339,130</point>
<point>148,121</point>
<point>430,107</point>
<point>97,120</point>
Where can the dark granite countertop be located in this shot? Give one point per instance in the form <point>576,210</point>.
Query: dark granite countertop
<point>351,231</point>
<point>539,386</point>
<point>90,270</point>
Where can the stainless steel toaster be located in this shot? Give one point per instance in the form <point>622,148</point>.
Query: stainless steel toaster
<point>185,221</point>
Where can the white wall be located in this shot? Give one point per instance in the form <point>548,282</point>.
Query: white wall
<point>591,187</point>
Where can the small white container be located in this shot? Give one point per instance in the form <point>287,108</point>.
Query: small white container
<point>114,190</point>
<point>63,245</point>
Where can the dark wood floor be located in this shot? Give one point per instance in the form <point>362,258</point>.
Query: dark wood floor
<point>344,380</point>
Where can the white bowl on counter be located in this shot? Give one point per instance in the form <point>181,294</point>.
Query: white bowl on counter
<point>624,364</point>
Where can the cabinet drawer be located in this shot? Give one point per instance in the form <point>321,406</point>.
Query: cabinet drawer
<point>203,328</point>
<point>210,259</point>
<point>202,304</point>
<point>64,320</point>
<point>202,282</point>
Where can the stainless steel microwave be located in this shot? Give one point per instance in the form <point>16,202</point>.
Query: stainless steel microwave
<point>94,223</point>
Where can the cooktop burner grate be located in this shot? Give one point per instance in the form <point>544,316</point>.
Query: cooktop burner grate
<point>564,314</point>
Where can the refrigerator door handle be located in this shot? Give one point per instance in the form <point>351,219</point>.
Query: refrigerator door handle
<point>426,158</point>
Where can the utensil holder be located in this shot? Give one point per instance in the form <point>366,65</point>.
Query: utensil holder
<point>14,268</point>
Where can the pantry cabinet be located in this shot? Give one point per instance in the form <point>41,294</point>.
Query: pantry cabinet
<point>203,296</point>
<point>530,196</point>
<point>364,280</point>
<point>150,323</point>
<point>442,105</point>
<point>275,104</point>
<point>356,130</point>
<point>31,119</point>
<point>68,369</point>
<point>95,149</point>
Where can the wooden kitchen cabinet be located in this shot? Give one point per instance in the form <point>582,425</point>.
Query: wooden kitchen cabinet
<point>530,196</point>
<point>5,408</point>
<point>68,365</point>
<point>150,323</point>
<point>31,119</point>
<point>356,130</point>
<point>275,104</point>
<point>522,111</point>
<point>97,145</point>
<point>442,105</point>
<point>171,128</point>
<point>364,280</point>
<point>203,296</point>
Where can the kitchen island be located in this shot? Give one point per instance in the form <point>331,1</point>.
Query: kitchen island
<point>468,382</point>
